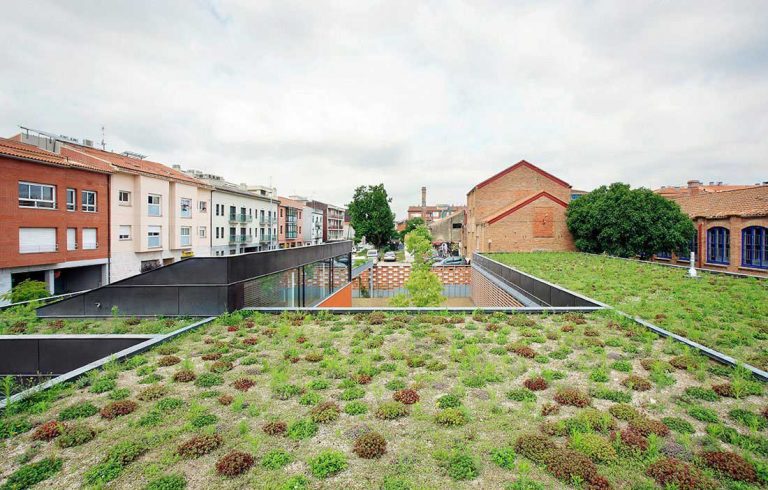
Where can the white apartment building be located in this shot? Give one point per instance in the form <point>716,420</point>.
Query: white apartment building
<point>335,223</point>
<point>158,214</point>
<point>240,220</point>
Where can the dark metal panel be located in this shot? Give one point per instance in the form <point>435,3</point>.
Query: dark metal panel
<point>18,356</point>
<point>202,300</point>
<point>200,270</point>
<point>59,355</point>
<point>543,292</point>
<point>562,298</point>
<point>138,300</point>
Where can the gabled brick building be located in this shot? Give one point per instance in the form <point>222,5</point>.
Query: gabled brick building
<point>521,208</point>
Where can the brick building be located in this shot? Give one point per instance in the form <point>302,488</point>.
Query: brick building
<point>521,208</point>
<point>731,230</point>
<point>696,187</point>
<point>290,223</point>
<point>431,212</point>
<point>54,212</point>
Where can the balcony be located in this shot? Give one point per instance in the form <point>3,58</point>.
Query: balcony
<point>240,238</point>
<point>268,221</point>
<point>240,218</point>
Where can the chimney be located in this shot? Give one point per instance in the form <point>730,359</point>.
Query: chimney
<point>693,187</point>
<point>423,197</point>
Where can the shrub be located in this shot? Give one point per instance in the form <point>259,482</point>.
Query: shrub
<point>75,435</point>
<point>318,384</point>
<point>220,367</point>
<point>725,390</point>
<point>370,445</point>
<point>632,440</point>
<point>102,385</point>
<point>550,409</point>
<point>622,411</point>
<point>234,464</point>
<point>504,457</point>
<point>325,412</point>
<point>119,394</point>
<point>309,398</point>
<point>152,393</point>
<point>671,472</point>
<point>243,384</point>
<point>47,431</point>
<point>275,428</point>
<point>355,408</point>
<point>184,376</point>
<point>572,397</point>
<point>679,425</point>
<point>749,419</point>
<point>391,411</point>
<point>118,409</point>
<point>637,383</point>
<point>285,391</point>
<point>126,452</point>
<point>701,393</point>
<point>328,463</point>
<point>731,464</point>
<point>408,397</point>
<point>168,361</point>
<point>622,366</point>
<point>535,447</point>
<point>593,420</point>
<point>523,351</point>
<point>168,482</point>
<point>276,459</point>
<point>199,445</point>
<point>569,466</point>
<point>521,395</point>
<point>213,356</point>
<point>302,429</point>
<point>462,466</point>
<point>595,447</point>
<point>33,473</point>
<point>207,380</point>
<point>452,417</point>
<point>449,401</point>
<point>103,473</point>
<point>646,426</point>
<point>78,411</point>
<point>203,419</point>
<point>704,414</point>
<point>536,384</point>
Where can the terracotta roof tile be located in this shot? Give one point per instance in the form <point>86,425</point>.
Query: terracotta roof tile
<point>750,202</point>
<point>521,163</point>
<point>16,149</point>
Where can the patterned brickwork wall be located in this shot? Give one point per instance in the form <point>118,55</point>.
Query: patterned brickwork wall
<point>394,276</point>
<point>487,294</point>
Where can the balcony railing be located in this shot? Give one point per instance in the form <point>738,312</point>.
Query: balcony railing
<point>240,238</point>
<point>268,221</point>
<point>240,218</point>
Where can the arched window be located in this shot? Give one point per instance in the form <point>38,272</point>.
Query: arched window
<point>685,255</point>
<point>754,247</point>
<point>718,245</point>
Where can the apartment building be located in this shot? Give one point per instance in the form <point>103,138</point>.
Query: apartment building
<point>335,223</point>
<point>522,208</point>
<point>316,225</point>
<point>731,230</point>
<point>290,223</point>
<point>54,212</point>
<point>158,214</point>
<point>241,221</point>
<point>268,204</point>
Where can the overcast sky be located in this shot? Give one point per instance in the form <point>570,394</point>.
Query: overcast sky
<point>318,98</point>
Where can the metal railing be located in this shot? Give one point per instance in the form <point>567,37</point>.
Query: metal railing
<point>240,238</point>
<point>240,218</point>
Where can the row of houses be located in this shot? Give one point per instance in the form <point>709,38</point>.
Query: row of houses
<point>523,209</point>
<point>76,217</point>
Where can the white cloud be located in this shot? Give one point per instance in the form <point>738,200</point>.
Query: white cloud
<point>321,97</point>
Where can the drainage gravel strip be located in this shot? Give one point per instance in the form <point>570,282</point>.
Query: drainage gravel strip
<point>120,355</point>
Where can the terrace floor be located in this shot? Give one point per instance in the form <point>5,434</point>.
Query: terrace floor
<point>465,302</point>
<point>481,401</point>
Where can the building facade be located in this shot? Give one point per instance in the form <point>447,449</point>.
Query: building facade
<point>431,213</point>
<point>335,223</point>
<point>731,230</point>
<point>54,213</point>
<point>158,214</point>
<point>696,187</point>
<point>290,223</point>
<point>522,208</point>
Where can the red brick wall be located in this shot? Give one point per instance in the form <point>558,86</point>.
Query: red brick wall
<point>394,276</point>
<point>13,217</point>
<point>487,294</point>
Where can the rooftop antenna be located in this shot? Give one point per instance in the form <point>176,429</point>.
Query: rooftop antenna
<point>103,144</point>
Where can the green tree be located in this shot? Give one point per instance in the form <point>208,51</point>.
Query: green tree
<point>27,290</point>
<point>423,286</point>
<point>411,225</point>
<point>371,216</point>
<point>628,222</point>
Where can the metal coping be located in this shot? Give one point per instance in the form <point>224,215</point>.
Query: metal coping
<point>74,336</point>
<point>678,266</point>
<point>43,301</point>
<point>711,353</point>
<point>356,271</point>
<point>416,310</point>
<point>123,354</point>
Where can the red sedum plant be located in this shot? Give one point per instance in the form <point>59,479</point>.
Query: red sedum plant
<point>118,409</point>
<point>671,472</point>
<point>370,445</point>
<point>48,431</point>
<point>199,446</point>
<point>234,464</point>
<point>275,428</point>
<point>407,396</point>
<point>572,397</point>
<point>731,464</point>
<point>536,384</point>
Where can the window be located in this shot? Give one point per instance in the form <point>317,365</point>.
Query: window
<point>89,201</point>
<point>201,231</point>
<point>754,247</point>
<point>718,245</point>
<point>153,205</point>
<point>186,208</point>
<point>202,206</point>
<point>37,195</point>
<point>186,236</point>
<point>664,255</point>
<point>37,240</point>
<point>153,237</point>
<point>89,239</point>
<point>71,198</point>
<point>124,232</point>
<point>685,255</point>
<point>124,198</point>
<point>71,238</point>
